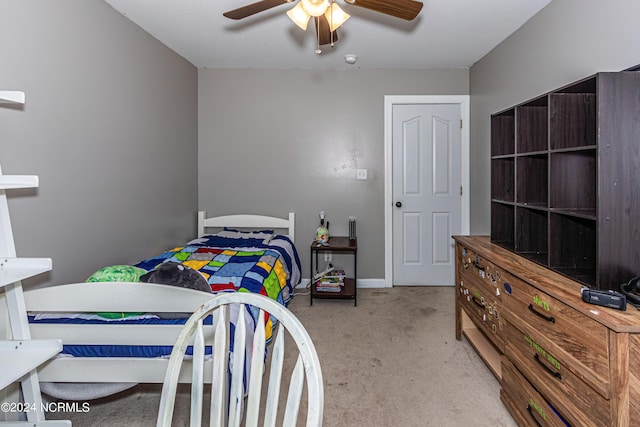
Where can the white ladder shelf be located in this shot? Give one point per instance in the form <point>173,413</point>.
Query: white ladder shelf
<point>21,356</point>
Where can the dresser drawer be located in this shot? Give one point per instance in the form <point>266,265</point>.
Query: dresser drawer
<point>479,271</point>
<point>578,340</point>
<point>524,403</point>
<point>548,373</point>
<point>634,377</point>
<point>484,310</point>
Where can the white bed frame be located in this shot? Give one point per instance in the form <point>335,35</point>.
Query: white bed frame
<point>247,221</point>
<point>125,297</point>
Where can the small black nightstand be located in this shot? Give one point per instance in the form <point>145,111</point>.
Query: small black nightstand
<point>338,244</point>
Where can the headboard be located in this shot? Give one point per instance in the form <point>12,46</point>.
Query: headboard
<point>247,221</point>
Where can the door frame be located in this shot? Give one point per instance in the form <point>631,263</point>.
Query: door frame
<point>389,102</point>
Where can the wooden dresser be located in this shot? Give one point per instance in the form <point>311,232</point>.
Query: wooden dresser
<point>560,360</point>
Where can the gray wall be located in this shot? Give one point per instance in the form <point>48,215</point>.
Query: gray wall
<point>272,141</point>
<point>110,127</point>
<point>566,41</point>
<point>119,128</point>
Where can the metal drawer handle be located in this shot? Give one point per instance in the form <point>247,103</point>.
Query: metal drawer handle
<point>476,302</point>
<point>549,370</point>
<point>532,417</point>
<point>537,313</point>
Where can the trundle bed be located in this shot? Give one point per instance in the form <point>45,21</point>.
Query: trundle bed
<point>115,352</point>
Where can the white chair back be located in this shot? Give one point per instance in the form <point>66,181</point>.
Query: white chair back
<point>227,399</point>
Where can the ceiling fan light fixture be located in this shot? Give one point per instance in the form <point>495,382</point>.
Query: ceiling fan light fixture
<point>314,7</point>
<point>299,16</point>
<point>336,16</point>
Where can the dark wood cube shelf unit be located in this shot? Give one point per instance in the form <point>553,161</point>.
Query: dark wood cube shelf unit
<point>565,173</point>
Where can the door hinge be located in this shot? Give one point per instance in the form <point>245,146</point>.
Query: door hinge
<point>460,123</point>
<point>461,190</point>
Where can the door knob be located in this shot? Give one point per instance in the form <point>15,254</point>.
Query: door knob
<point>398,204</point>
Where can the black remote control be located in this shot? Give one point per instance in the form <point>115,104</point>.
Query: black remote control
<point>607,298</point>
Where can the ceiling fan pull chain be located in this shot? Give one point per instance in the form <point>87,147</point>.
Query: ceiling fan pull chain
<point>318,51</point>
<point>331,23</point>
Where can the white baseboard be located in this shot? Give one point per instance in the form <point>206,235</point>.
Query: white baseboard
<point>371,283</point>
<point>362,283</point>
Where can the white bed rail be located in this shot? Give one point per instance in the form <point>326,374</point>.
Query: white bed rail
<point>110,297</point>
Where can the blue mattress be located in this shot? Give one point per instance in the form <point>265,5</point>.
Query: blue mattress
<point>122,350</point>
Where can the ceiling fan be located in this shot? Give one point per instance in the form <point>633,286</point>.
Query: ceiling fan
<point>328,16</point>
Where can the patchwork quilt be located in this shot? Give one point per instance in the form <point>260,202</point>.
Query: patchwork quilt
<point>268,267</point>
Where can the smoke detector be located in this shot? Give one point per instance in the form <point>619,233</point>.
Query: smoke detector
<point>350,59</point>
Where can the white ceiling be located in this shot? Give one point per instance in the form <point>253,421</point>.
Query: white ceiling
<point>446,34</point>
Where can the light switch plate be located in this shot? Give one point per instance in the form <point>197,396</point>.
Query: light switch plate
<point>361,174</point>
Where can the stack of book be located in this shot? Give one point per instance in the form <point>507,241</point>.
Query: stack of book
<point>331,282</point>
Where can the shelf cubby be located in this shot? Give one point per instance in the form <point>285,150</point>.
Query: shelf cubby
<point>572,120</point>
<point>573,182</point>
<point>532,126</point>
<point>502,133</point>
<point>502,179</point>
<point>502,225</point>
<point>532,234</point>
<point>532,180</point>
<point>574,250</point>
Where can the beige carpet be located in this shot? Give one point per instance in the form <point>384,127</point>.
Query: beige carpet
<point>391,361</point>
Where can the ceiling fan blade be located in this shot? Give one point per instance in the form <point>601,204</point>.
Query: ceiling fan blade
<point>404,9</point>
<point>253,8</point>
<point>323,31</point>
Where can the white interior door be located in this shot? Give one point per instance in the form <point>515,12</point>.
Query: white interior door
<point>426,192</point>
